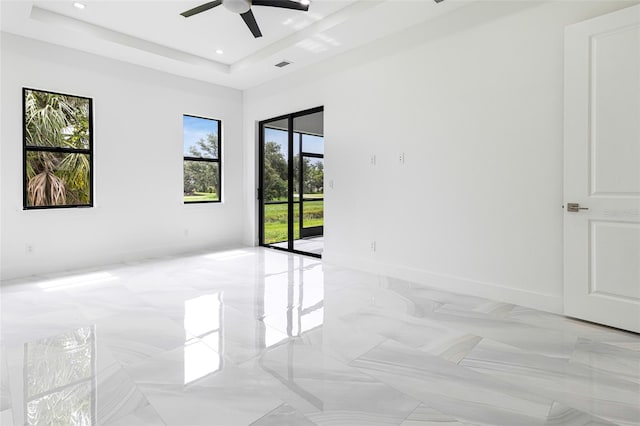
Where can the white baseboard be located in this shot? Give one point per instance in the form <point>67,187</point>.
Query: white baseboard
<point>48,265</point>
<point>455,284</point>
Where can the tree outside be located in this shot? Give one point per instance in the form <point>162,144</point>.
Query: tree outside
<point>53,125</point>
<point>276,171</point>
<point>201,178</point>
<point>275,190</point>
<point>201,165</point>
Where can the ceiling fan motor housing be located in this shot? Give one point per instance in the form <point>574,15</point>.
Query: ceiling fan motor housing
<point>237,6</point>
<point>243,8</point>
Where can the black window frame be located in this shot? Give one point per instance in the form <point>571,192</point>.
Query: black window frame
<point>60,150</point>
<point>205,160</point>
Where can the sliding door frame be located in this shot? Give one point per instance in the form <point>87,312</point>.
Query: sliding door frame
<point>315,230</point>
<point>290,182</point>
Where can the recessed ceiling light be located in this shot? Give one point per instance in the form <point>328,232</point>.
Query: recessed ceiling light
<point>305,2</point>
<point>219,51</point>
<point>79,5</point>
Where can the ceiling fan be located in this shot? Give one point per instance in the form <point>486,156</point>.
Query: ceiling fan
<point>243,7</point>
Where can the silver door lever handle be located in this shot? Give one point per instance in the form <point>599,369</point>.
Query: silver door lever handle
<point>575,207</point>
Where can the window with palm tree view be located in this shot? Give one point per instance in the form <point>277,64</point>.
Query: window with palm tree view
<point>58,150</point>
<point>201,165</point>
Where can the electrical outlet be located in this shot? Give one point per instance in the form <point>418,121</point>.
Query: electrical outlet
<point>28,248</point>
<point>401,158</point>
<point>373,245</point>
<point>373,160</point>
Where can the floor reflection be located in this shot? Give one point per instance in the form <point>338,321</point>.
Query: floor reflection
<point>82,280</point>
<point>60,379</point>
<point>292,305</point>
<point>203,321</point>
<point>262,337</point>
<point>292,301</point>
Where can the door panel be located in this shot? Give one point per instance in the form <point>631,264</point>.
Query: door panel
<point>312,209</point>
<point>602,170</point>
<point>615,112</point>
<point>275,186</point>
<point>309,152</point>
<point>615,259</point>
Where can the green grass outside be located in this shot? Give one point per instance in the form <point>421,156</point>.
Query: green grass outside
<point>311,196</point>
<point>201,196</point>
<point>275,220</point>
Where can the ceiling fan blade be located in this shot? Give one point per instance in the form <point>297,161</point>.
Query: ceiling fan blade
<point>250,20</point>
<point>201,8</point>
<point>286,4</point>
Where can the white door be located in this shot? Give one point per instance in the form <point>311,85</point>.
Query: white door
<point>602,170</point>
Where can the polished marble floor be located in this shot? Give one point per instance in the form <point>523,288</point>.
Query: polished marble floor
<point>262,337</point>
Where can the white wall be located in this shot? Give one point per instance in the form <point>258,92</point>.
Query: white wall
<point>474,101</point>
<point>138,209</point>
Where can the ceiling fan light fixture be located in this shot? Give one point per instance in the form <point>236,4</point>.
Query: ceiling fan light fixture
<point>237,6</point>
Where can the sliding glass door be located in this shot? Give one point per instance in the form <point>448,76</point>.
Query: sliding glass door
<point>311,185</point>
<point>291,189</point>
<point>274,190</point>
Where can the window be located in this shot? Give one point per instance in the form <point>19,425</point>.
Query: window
<point>57,150</point>
<point>201,163</point>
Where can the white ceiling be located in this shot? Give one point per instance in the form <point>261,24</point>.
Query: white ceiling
<point>152,33</point>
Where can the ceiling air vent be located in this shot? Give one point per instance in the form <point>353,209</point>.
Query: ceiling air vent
<point>283,64</point>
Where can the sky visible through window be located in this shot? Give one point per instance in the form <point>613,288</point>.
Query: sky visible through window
<point>194,129</point>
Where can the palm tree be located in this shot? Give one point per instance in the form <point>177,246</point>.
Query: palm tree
<point>54,125</point>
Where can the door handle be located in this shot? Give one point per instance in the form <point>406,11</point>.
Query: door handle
<point>575,207</point>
